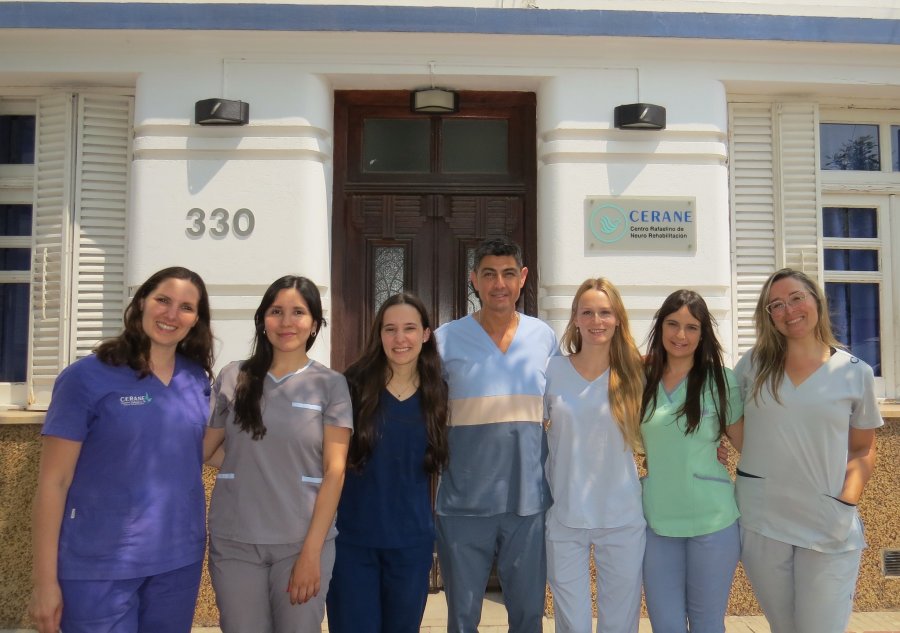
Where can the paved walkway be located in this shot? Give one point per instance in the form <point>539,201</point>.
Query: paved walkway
<point>493,620</point>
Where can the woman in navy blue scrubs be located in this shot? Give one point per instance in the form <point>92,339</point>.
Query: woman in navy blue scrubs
<point>385,526</point>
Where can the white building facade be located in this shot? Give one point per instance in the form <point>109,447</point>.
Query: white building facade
<point>781,148</point>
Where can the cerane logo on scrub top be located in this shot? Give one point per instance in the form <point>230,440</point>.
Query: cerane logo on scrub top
<point>135,401</point>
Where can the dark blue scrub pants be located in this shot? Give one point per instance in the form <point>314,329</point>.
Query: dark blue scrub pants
<point>378,590</point>
<point>163,603</point>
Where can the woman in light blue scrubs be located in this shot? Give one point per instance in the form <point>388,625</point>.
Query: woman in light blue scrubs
<point>592,411</point>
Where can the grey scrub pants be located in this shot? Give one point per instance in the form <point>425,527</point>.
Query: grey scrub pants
<point>251,584</point>
<point>800,590</point>
<point>466,548</point>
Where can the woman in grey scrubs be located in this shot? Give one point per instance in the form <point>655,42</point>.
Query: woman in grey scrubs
<point>810,416</point>
<point>285,423</point>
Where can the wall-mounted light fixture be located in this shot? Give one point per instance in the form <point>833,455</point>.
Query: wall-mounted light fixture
<point>640,116</point>
<point>434,100</point>
<point>221,112</point>
<point>437,100</point>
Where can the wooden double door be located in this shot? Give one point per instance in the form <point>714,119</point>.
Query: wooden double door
<point>414,194</point>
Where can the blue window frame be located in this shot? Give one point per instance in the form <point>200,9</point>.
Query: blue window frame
<point>17,141</point>
<point>852,264</point>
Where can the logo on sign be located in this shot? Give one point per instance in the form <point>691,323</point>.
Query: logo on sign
<point>608,223</point>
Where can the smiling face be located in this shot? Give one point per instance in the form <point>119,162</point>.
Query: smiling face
<point>680,334</point>
<point>289,323</point>
<point>402,335</point>
<point>792,308</point>
<point>498,282</point>
<point>169,312</point>
<point>595,318</point>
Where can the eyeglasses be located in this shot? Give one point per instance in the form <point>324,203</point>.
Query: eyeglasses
<point>778,307</point>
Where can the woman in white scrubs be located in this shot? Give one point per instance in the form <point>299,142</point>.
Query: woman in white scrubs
<point>592,406</point>
<point>810,416</point>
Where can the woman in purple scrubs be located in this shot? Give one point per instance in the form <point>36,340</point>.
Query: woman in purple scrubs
<point>118,520</point>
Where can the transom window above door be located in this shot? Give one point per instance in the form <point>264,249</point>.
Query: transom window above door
<point>425,145</point>
<point>482,144</point>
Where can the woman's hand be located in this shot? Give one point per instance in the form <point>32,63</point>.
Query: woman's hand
<point>722,453</point>
<point>45,608</point>
<point>305,577</point>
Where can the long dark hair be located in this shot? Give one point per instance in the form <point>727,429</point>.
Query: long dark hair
<point>708,366</point>
<point>132,346</point>
<point>371,372</point>
<point>249,389</point>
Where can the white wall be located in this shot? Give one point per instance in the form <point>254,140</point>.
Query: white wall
<point>582,154</point>
<point>278,169</point>
<point>280,165</point>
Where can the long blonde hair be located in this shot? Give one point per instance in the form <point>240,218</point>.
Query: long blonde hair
<point>626,377</point>
<point>770,351</point>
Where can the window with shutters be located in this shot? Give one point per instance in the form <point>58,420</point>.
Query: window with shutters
<point>816,187</point>
<point>64,160</point>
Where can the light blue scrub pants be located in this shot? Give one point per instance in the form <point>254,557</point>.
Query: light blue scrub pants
<point>687,580</point>
<point>466,548</point>
<point>800,590</point>
<point>618,555</point>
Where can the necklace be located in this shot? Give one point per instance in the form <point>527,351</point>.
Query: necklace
<point>407,389</point>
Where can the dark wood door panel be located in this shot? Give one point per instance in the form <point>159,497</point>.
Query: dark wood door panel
<point>434,220</point>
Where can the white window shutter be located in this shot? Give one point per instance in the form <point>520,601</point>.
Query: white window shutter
<point>50,272</point>
<point>102,165</point>
<point>798,154</point>
<point>755,231</point>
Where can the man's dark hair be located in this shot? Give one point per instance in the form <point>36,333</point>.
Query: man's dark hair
<point>498,247</point>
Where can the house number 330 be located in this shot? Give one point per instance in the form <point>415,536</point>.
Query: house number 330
<point>220,223</point>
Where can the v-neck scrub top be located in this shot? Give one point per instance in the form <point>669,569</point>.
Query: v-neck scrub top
<point>136,505</point>
<point>794,457</point>
<point>496,438</point>
<point>687,492</point>
<point>266,489</point>
<point>591,471</point>
<point>388,503</point>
